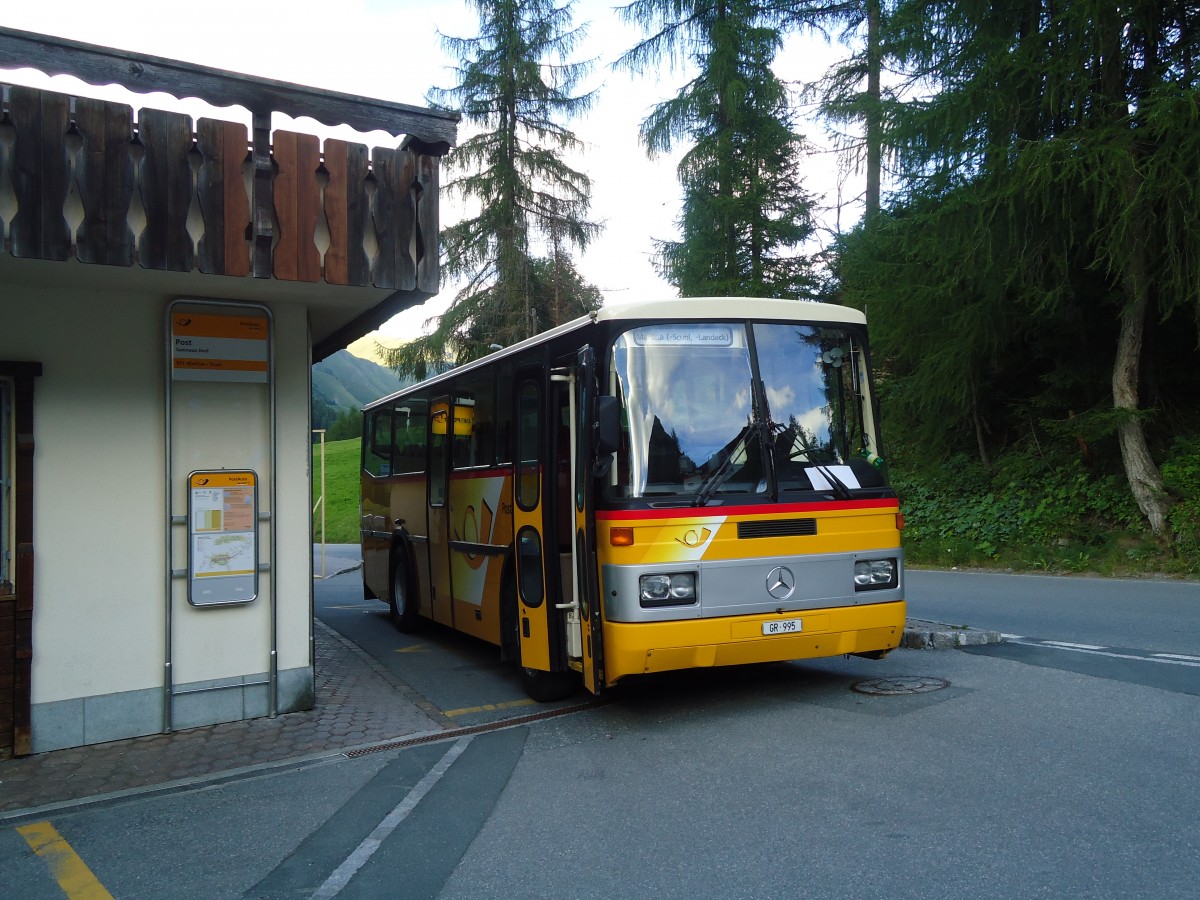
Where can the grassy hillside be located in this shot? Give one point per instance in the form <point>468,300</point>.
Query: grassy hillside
<point>347,382</point>
<point>341,491</point>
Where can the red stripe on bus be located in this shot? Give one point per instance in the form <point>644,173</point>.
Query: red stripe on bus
<point>708,512</point>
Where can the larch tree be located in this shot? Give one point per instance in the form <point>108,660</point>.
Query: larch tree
<point>852,92</point>
<point>1047,210</point>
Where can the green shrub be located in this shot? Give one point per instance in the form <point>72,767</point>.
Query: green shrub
<point>1181,478</point>
<point>1026,512</point>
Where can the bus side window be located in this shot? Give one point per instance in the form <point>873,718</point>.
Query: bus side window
<point>474,432</point>
<point>412,427</point>
<point>504,391</point>
<point>529,439</point>
<point>377,450</point>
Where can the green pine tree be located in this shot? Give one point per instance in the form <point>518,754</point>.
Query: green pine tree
<point>516,86</point>
<point>745,213</point>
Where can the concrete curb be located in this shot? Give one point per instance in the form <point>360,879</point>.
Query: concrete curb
<point>922,635</point>
<point>335,567</point>
<point>339,559</point>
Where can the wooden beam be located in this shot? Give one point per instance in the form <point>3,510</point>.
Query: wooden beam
<point>297,202</point>
<point>262,197</point>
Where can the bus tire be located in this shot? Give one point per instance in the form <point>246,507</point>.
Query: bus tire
<point>402,607</point>
<point>542,687</point>
<point>546,687</point>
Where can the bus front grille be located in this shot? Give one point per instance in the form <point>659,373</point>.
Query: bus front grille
<point>779,528</point>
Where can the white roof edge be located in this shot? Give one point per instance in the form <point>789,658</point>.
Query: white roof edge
<point>703,309</point>
<point>510,350</point>
<point>709,308</point>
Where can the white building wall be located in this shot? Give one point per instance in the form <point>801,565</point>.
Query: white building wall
<point>99,520</point>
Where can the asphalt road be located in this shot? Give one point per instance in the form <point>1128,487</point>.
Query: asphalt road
<point>1161,615</point>
<point>1001,778</point>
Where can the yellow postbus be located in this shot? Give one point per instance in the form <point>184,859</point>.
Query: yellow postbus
<point>658,485</point>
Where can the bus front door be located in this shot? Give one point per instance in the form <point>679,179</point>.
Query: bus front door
<point>586,601</point>
<point>440,594</point>
<point>557,615</point>
<point>538,585</point>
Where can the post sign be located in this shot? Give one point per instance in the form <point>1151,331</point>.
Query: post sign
<point>222,537</point>
<point>208,347</point>
<point>464,417</point>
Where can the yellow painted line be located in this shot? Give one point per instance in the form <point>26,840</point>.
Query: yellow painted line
<point>71,872</point>
<point>415,648</point>
<point>489,707</point>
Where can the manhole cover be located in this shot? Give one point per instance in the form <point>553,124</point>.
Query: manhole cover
<point>901,684</point>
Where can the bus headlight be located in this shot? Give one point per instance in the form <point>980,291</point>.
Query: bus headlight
<point>874,574</point>
<point>677,589</point>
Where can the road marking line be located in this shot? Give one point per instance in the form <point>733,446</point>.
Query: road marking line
<point>488,707</point>
<point>1051,645</point>
<point>415,648</point>
<point>1178,656</point>
<point>1012,637</point>
<point>1069,646</point>
<point>358,858</point>
<point>71,872</point>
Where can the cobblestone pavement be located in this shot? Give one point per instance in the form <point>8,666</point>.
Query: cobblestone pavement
<point>358,703</point>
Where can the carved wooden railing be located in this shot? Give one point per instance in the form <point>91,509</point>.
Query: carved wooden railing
<point>81,178</point>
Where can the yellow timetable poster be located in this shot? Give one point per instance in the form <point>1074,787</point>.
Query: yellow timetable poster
<point>223,539</point>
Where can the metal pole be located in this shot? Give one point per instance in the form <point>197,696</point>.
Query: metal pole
<point>323,503</point>
<point>168,676</point>
<point>321,498</point>
<point>273,677</point>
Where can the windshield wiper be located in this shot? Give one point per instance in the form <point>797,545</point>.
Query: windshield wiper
<point>724,470</point>
<point>762,418</point>
<point>839,488</point>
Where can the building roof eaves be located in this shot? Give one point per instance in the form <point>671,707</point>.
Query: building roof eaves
<point>144,73</point>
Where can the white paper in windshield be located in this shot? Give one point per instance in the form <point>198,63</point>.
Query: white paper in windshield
<point>844,474</point>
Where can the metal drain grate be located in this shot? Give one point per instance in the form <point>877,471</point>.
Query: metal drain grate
<point>900,684</point>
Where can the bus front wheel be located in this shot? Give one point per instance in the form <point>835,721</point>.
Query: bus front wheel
<point>543,687</point>
<point>546,687</point>
<point>402,608</point>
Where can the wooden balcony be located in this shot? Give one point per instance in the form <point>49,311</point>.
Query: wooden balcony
<point>87,179</point>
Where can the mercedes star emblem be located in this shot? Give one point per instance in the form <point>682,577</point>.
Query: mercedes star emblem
<point>781,582</point>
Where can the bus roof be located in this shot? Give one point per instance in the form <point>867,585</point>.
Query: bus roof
<point>716,308</point>
<point>703,309</point>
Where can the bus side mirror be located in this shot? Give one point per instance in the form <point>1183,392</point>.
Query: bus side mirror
<point>608,425</point>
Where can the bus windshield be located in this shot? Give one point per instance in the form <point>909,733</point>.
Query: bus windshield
<point>697,425</point>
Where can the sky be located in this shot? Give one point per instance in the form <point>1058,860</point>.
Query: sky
<point>391,50</point>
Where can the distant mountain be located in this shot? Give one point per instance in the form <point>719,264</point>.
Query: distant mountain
<point>347,382</point>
